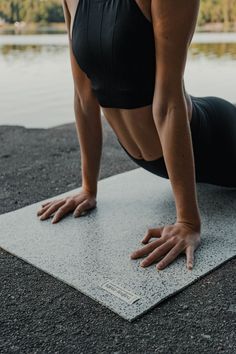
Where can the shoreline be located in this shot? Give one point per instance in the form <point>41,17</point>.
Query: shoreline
<point>60,27</point>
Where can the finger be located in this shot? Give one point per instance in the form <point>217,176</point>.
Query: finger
<point>44,204</point>
<point>157,253</point>
<point>172,254</point>
<point>51,210</point>
<point>81,208</point>
<point>156,232</point>
<point>146,249</point>
<point>66,208</point>
<point>190,257</point>
<point>42,210</point>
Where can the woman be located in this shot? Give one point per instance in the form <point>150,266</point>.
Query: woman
<point>129,56</point>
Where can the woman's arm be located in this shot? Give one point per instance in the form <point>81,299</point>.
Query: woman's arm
<point>174,23</point>
<point>89,130</point>
<point>88,118</point>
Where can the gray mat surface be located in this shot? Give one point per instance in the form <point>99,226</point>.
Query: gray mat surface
<point>91,253</point>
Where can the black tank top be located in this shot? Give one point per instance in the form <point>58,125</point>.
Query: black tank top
<point>113,43</point>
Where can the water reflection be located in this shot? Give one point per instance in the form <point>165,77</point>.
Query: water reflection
<point>36,43</point>
<point>213,50</point>
<point>210,50</point>
<point>10,48</point>
<point>36,87</point>
<point>29,51</point>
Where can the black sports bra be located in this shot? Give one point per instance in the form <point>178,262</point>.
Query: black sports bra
<point>113,43</point>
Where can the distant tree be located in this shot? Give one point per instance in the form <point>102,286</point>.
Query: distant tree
<point>31,10</point>
<point>51,11</point>
<point>217,11</point>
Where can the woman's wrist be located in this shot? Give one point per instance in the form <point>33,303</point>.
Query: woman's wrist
<point>194,223</point>
<point>190,216</point>
<point>90,189</point>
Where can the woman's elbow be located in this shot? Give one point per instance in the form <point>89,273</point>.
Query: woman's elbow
<point>87,103</point>
<point>167,106</point>
<point>163,111</point>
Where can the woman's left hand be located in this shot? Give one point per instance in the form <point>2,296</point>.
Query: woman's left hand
<point>171,241</point>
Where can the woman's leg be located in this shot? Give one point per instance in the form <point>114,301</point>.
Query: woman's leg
<point>213,131</point>
<point>216,140</point>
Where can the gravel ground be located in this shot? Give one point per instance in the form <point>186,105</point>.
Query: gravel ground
<point>40,314</point>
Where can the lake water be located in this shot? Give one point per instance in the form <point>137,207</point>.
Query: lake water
<point>36,86</point>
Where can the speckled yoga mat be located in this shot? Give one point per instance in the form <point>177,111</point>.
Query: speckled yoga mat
<point>91,253</point>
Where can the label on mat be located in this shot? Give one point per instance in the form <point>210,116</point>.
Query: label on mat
<point>122,294</point>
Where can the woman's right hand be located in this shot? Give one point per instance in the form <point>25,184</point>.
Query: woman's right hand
<point>79,203</point>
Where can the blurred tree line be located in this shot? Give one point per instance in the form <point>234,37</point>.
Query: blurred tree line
<point>51,11</point>
<point>31,10</point>
<point>217,11</point>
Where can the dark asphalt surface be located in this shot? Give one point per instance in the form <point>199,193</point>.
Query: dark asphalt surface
<point>40,314</point>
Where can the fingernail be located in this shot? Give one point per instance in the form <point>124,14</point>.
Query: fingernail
<point>143,264</point>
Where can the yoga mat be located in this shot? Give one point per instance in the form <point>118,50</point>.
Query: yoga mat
<point>91,253</point>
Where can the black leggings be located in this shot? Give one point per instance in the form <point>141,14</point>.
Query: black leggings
<point>213,131</point>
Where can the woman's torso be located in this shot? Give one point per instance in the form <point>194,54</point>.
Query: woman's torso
<point>135,128</point>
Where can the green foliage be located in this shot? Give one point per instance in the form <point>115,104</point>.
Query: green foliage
<point>31,10</point>
<point>51,11</point>
<point>217,11</point>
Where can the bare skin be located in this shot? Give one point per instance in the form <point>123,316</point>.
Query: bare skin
<point>145,132</point>
<point>135,128</point>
